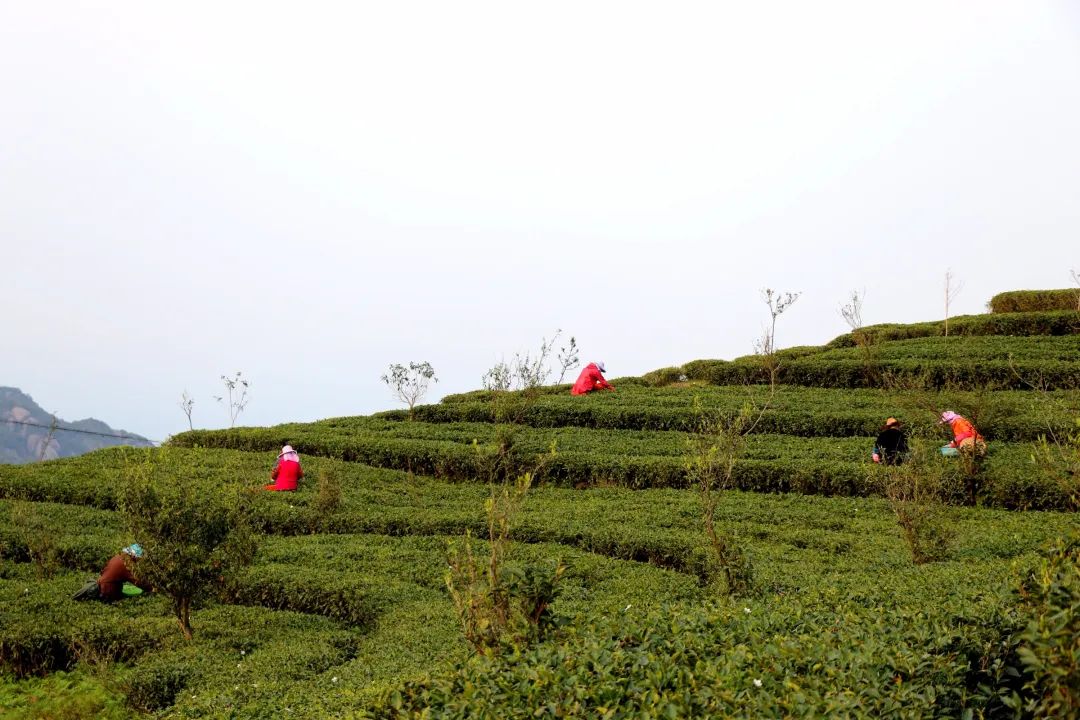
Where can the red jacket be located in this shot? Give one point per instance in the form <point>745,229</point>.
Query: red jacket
<point>285,474</point>
<point>590,379</point>
<point>114,576</point>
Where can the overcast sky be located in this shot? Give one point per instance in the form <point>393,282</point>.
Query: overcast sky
<point>307,192</point>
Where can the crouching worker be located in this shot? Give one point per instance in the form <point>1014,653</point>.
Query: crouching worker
<point>118,571</point>
<point>286,471</point>
<point>591,378</point>
<point>891,446</point>
<point>966,439</point>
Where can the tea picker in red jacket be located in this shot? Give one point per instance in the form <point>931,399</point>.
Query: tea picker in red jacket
<point>591,379</point>
<point>286,471</point>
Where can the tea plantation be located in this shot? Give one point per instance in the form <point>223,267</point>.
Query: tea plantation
<point>345,610</point>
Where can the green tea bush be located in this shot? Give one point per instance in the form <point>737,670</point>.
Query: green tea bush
<point>62,696</point>
<point>44,631</point>
<point>1050,644</point>
<point>802,661</point>
<point>1023,301</point>
<point>1059,322</point>
<point>663,376</point>
<point>37,535</point>
<point>310,590</point>
<point>155,683</point>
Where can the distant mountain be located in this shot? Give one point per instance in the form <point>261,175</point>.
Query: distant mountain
<point>25,436</point>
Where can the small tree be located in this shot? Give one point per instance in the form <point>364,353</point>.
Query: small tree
<point>567,357</point>
<point>186,404</point>
<point>765,346</point>
<point>1076,279</point>
<point>864,340</point>
<point>514,388</point>
<point>952,289</point>
<point>410,384</point>
<point>39,535</point>
<point>236,389</point>
<point>195,534</point>
<point>49,443</point>
<point>712,451</point>
<point>327,492</point>
<point>851,311</point>
<point>1048,650</point>
<point>917,491</point>
<point>497,600</point>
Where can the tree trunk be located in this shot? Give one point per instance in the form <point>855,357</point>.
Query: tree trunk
<point>183,616</point>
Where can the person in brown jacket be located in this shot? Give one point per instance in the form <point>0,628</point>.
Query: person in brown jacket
<point>110,585</point>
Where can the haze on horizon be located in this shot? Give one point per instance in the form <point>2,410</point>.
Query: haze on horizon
<point>307,194</point>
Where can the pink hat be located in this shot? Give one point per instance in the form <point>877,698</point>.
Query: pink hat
<point>947,417</point>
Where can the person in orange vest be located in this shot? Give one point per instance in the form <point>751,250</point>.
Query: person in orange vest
<point>591,379</point>
<point>286,471</point>
<point>965,437</point>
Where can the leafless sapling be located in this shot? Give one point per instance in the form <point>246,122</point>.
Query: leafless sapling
<point>236,393</point>
<point>765,346</point>
<point>952,290</point>
<point>865,340</point>
<point>186,404</point>
<point>568,358</point>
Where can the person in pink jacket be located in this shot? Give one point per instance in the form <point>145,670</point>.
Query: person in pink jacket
<point>591,379</point>
<point>286,471</point>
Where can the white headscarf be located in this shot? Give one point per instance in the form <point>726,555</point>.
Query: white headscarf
<point>287,453</point>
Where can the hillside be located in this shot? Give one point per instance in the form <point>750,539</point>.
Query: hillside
<point>25,432</point>
<point>346,612</point>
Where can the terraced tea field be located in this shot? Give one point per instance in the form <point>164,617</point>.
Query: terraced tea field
<point>346,613</point>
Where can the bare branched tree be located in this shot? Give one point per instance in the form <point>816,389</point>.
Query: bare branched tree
<point>410,383</point>
<point>236,392</point>
<point>498,378</point>
<point>186,404</point>
<point>1076,279</point>
<point>48,438</point>
<point>765,346</point>
<point>851,311</point>
<point>529,371</point>
<point>865,340</point>
<point>568,357</point>
<point>952,290</point>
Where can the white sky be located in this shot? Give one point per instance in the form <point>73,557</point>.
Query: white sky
<point>310,191</point>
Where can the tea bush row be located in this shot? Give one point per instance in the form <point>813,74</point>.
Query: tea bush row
<point>804,659</point>
<point>1057,322</point>
<point>1013,416</point>
<point>620,458</point>
<point>1027,301</point>
<point>851,372</point>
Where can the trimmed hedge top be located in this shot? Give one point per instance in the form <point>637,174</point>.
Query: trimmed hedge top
<point>1036,300</point>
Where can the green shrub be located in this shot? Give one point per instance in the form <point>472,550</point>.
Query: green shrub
<point>1035,300</point>
<point>663,376</point>
<point>802,661</point>
<point>62,696</point>
<point>195,534</point>
<point>1050,644</point>
<point>1057,322</point>
<point>154,684</point>
<point>44,631</point>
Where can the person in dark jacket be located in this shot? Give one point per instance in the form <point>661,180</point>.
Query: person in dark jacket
<point>891,446</point>
<point>109,586</point>
<point>591,379</point>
